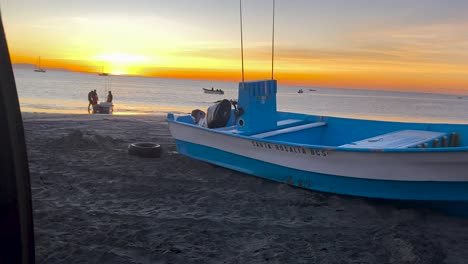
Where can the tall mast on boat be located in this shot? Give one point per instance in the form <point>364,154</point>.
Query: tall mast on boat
<point>273,41</point>
<point>242,42</point>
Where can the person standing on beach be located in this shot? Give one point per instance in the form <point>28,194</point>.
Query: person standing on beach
<point>95,98</point>
<point>90,99</point>
<point>109,97</point>
<point>95,101</point>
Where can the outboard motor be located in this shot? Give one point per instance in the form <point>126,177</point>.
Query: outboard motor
<point>218,114</point>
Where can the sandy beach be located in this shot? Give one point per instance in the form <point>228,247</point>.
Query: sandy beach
<point>94,203</point>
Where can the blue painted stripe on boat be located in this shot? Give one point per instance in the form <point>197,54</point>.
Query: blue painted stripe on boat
<point>403,190</point>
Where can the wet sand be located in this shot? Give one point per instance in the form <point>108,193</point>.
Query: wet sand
<point>94,203</point>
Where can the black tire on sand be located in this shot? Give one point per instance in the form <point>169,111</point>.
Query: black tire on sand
<point>145,149</point>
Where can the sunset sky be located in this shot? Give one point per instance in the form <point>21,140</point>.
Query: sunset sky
<point>412,45</point>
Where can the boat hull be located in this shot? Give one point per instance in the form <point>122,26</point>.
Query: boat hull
<point>432,176</point>
<point>103,108</point>
<point>208,91</point>
<point>387,189</point>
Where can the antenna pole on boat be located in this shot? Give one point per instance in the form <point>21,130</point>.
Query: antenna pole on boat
<point>242,41</point>
<point>273,41</point>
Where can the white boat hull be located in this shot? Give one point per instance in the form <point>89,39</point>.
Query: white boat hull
<point>400,175</point>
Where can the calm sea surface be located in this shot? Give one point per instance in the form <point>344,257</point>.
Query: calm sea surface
<point>66,92</point>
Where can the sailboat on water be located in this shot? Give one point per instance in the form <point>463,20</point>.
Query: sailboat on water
<point>102,73</point>
<point>38,66</point>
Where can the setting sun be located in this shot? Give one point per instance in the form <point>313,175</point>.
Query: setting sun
<point>122,63</point>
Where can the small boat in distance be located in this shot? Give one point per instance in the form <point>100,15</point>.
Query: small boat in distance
<point>102,73</point>
<point>213,91</point>
<point>38,66</point>
<point>312,90</point>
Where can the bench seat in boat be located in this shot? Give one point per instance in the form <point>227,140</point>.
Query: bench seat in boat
<point>294,124</point>
<point>398,139</point>
<point>286,122</point>
<point>288,130</point>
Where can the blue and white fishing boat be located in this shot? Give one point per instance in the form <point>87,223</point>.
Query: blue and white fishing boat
<point>368,158</point>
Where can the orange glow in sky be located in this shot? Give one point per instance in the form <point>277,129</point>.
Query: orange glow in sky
<point>391,45</point>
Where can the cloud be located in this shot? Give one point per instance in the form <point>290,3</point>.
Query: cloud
<point>436,43</point>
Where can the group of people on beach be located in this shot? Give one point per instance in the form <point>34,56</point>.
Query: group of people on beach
<point>93,98</point>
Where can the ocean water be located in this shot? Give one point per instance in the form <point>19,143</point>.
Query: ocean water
<point>66,92</point>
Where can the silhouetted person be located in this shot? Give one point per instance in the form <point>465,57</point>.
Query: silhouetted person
<point>94,101</point>
<point>95,98</point>
<point>109,97</point>
<point>90,99</point>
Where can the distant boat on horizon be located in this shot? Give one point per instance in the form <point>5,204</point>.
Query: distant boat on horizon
<point>38,66</point>
<point>213,91</point>
<point>102,73</point>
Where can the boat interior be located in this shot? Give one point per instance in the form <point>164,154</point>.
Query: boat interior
<point>354,133</point>
<point>255,115</point>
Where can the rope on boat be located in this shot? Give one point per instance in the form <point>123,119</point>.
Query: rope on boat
<point>272,42</point>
